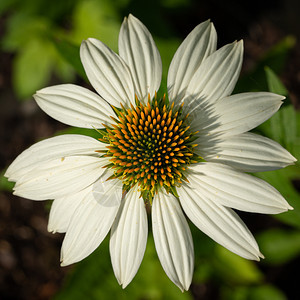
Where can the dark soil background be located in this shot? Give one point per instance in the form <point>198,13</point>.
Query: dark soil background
<point>29,255</point>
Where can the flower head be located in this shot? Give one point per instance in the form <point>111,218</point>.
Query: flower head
<point>188,151</point>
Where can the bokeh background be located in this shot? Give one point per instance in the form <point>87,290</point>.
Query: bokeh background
<point>40,47</point>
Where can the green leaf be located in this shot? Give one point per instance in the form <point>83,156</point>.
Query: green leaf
<point>235,269</point>
<point>281,180</point>
<point>22,29</point>
<point>5,185</point>
<point>282,127</point>
<point>234,293</point>
<point>279,246</point>
<point>171,4</point>
<point>70,53</point>
<point>97,19</point>
<point>261,292</point>
<point>274,83</point>
<point>32,67</point>
<point>276,57</point>
<point>83,131</point>
<point>265,292</point>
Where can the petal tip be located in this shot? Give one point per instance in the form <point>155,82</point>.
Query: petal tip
<point>180,287</point>
<point>207,23</point>
<point>124,284</point>
<point>64,264</point>
<point>293,159</point>
<point>277,97</point>
<point>51,228</point>
<point>89,41</point>
<point>257,257</point>
<point>186,286</point>
<point>38,93</point>
<point>83,45</point>
<point>131,17</point>
<point>183,286</point>
<point>240,45</point>
<point>16,193</point>
<point>6,174</point>
<point>211,25</point>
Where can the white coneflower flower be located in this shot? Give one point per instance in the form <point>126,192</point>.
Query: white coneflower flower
<point>187,152</point>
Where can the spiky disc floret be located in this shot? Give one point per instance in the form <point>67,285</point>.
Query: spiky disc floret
<point>150,145</point>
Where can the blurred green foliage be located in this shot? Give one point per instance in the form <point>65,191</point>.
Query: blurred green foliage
<point>45,37</point>
<point>42,33</point>
<point>261,292</point>
<point>279,245</point>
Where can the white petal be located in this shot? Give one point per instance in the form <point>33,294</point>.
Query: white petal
<point>226,186</point>
<point>62,210</point>
<point>74,105</point>
<point>216,77</point>
<point>173,239</point>
<point>107,72</point>
<point>238,113</point>
<point>196,47</point>
<point>91,221</point>
<point>138,49</point>
<point>60,177</point>
<point>220,223</point>
<point>246,152</point>
<point>57,147</point>
<point>129,237</point>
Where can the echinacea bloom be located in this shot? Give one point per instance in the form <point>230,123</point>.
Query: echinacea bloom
<point>185,153</point>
